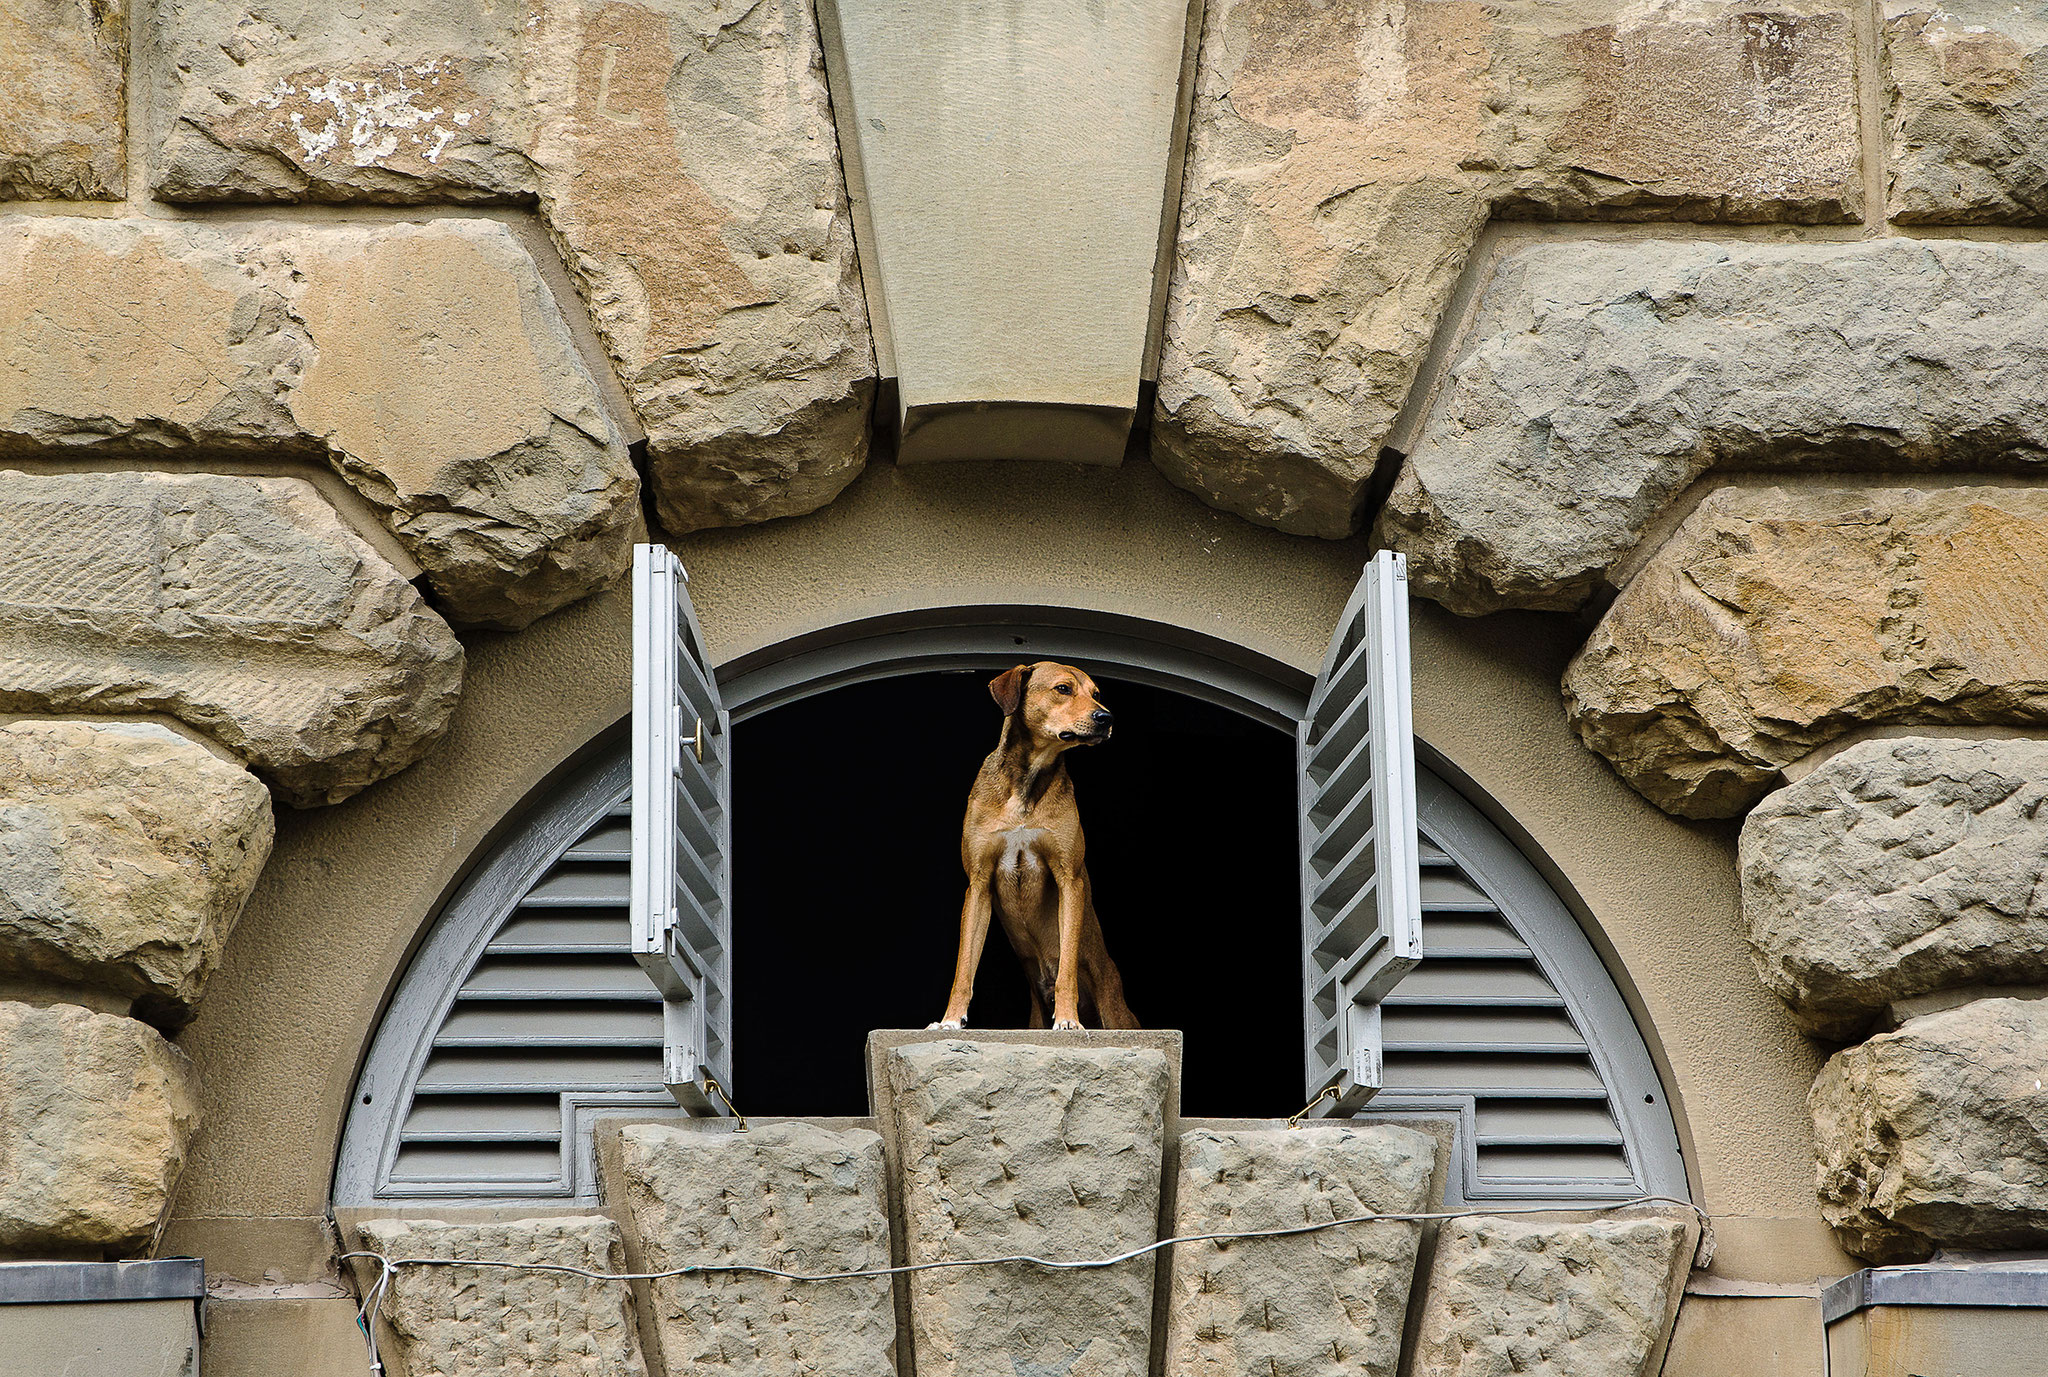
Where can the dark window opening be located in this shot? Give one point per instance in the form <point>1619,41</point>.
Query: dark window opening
<point>846,876</point>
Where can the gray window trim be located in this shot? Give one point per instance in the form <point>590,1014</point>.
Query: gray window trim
<point>993,637</point>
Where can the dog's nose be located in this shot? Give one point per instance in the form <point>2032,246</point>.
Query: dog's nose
<point>1102,717</point>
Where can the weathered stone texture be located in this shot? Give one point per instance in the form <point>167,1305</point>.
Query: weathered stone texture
<point>95,1115</point>
<point>1778,619</point>
<point>790,1196</point>
<point>1967,124</point>
<point>126,854</point>
<point>1895,869</point>
<point>1605,377</point>
<point>739,327</point>
<point>1343,160</point>
<point>1323,1303</point>
<point>502,1322</point>
<point>241,606</point>
<point>304,100</point>
<point>63,68</point>
<point>1588,1299</point>
<point>1049,1151</point>
<point>427,363</point>
<point>1937,1135</point>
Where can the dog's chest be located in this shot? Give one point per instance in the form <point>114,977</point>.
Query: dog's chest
<point>1019,850</point>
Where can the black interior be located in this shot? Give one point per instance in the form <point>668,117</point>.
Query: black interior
<point>847,886</point>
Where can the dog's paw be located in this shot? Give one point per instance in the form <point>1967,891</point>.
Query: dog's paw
<point>1066,1025</point>
<point>951,1025</point>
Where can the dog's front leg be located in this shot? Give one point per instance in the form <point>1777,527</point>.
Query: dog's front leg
<point>975,912</point>
<point>1066,984</point>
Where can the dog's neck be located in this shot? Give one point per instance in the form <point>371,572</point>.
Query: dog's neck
<point>1032,763</point>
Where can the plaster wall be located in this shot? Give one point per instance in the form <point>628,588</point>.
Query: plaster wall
<point>349,889</point>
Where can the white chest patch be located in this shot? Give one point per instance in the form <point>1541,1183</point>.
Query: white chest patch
<point>1019,849</point>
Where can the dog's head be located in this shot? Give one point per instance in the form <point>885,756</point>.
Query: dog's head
<point>1056,703</point>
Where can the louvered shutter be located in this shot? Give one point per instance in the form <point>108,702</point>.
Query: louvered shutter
<point>1360,855</point>
<point>682,830</point>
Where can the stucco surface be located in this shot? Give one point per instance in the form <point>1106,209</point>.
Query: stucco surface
<point>348,888</point>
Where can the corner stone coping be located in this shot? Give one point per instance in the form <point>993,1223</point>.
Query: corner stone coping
<point>1329,1302</point>
<point>427,363</point>
<point>1043,1150</point>
<point>791,1196</point>
<point>1600,379</point>
<point>501,1322</point>
<point>240,606</point>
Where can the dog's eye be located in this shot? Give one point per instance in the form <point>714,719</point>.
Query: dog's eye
<point>1067,689</point>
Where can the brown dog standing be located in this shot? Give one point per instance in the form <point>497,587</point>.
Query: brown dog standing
<point>1024,852</point>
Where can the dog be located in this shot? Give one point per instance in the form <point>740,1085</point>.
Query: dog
<point>1022,848</point>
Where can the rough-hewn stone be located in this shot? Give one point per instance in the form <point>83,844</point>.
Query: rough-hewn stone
<point>95,1115</point>
<point>1584,1299</point>
<point>1937,1134</point>
<point>241,606</point>
<point>63,68</point>
<point>690,171</point>
<point>1898,868</point>
<point>1967,125</point>
<point>1603,378</point>
<point>1322,1303</point>
<point>427,363</point>
<point>126,854</point>
<point>1049,1151</point>
<point>1777,619</point>
<point>502,1322</point>
<point>304,100</point>
<point>790,1196</point>
<point>1343,161</point>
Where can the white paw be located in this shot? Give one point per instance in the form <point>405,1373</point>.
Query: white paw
<point>952,1025</point>
<point>1067,1025</point>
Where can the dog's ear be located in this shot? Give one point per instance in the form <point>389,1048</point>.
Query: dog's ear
<point>1007,688</point>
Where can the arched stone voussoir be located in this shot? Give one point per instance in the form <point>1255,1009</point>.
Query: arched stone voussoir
<point>427,363</point>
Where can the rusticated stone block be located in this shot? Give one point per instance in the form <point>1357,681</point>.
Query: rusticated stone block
<point>1343,159</point>
<point>1603,378</point>
<point>1967,124</point>
<point>690,172</point>
<point>241,606</point>
<point>1585,1299</point>
<point>789,1196</point>
<point>1041,1150</point>
<point>1936,1135</point>
<point>1778,619</point>
<point>1899,868</point>
<point>1323,1303</point>
<point>503,1322</point>
<point>95,1115</point>
<point>427,363</point>
<point>63,126</point>
<point>303,100</point>
<point>126,854</point>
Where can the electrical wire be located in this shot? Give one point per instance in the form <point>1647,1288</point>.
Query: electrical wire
<point>373,1301</point>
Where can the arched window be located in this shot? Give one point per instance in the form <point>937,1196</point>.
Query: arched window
<point>523,1016</point>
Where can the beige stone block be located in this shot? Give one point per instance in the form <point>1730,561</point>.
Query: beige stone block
<point>791,1196</point>
<point>282,1337</point>
<point>126,854</point>
<point>690,173</point>
<point>452,1321</point>
<point>1323,1303</point>
<point>96,1112</point>
<point>1342,161</point>
<point>1966,85</point>
<point>1754,1336</point>
<point>157,1338</point>
<point>308,101</point>
<point>63,116</point>
<point>241,606</point>
<point>1050,1151</point>
<point>1919,1340</point>
<point>1777,619</point>
<point>1936,1135</point>
<point>427,363</point>
<point>1552,1299</point>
